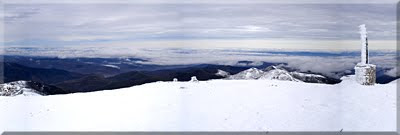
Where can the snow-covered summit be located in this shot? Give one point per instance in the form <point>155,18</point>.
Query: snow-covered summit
<point>277,73</point>
<point>249,74</point>
<point>274,73</point>
<point>222,73</point>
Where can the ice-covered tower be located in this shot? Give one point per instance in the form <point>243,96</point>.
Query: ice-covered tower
<point>364,44</point>
<point>365,72</point>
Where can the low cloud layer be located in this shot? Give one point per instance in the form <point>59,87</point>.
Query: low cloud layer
<point>325,62</point>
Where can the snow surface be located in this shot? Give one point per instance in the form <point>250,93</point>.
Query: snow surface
<point>215,105</point>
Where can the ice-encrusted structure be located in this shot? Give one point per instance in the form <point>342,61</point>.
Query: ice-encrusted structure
<point>365,72</point>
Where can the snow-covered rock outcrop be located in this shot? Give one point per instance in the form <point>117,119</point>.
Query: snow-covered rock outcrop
<point>309,77</point>
<point>28,88</point>
<point>18,88</point>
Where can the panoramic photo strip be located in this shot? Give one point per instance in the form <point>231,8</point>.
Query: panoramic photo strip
<point>199,66</point>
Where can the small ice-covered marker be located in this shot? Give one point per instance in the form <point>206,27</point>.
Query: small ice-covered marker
<point>175,80</point>
<point>194,79</point>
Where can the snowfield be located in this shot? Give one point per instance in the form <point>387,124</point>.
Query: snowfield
<point>215,105</point>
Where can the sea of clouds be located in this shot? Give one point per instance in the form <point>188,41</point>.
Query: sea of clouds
<point>324,62</point>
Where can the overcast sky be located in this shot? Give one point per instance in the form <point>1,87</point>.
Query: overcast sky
<point>251,25</point>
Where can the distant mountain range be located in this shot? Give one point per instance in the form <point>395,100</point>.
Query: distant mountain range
<point>75,82</point>
<point>17,72</point>
<point>86,75</point>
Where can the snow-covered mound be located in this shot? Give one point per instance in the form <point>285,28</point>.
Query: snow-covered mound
<point>215,105</point>
<point>18,88</point>
<point>277,73</point>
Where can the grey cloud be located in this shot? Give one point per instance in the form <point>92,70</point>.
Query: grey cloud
<point>17,13</point>
<point>198,21</point>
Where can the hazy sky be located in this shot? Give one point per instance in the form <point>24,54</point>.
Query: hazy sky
<point>254,25</point>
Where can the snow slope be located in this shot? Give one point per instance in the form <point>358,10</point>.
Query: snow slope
<point>216,105</point>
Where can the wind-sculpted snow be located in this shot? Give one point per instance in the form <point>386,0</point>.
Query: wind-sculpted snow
<point>215,105</point>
